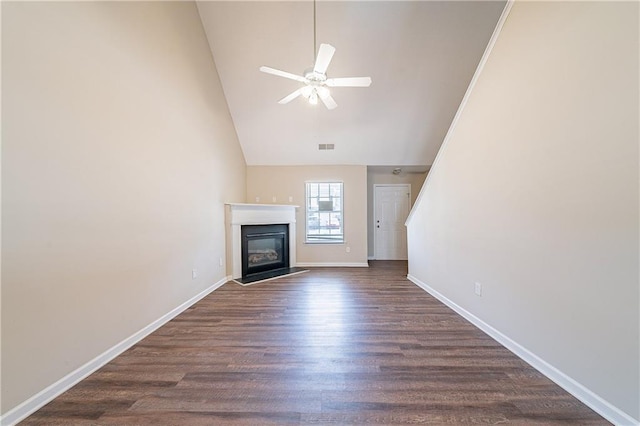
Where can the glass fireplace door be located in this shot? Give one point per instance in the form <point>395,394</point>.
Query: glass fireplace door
<point>264,248</point>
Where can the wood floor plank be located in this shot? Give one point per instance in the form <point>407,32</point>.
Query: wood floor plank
<point>331,346</point>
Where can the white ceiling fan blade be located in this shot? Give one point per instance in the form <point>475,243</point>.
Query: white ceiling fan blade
<point>290,97</point>
<point>329,102</point>
<point>349,82</point>
<point>325,53</point>
<point>284,74</point>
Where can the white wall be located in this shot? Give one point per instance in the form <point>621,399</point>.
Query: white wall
<point>283,182</point>
<point>535,195</point>
<point>118,152</point>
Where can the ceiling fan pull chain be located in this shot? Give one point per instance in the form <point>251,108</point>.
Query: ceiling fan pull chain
<point>314,32</point>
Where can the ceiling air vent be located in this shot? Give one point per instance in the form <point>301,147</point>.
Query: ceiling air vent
<point>325,146</point>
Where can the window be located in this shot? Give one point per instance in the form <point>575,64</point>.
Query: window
<point>324,212</point>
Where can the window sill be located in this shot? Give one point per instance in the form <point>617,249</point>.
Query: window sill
<point>324,242</point>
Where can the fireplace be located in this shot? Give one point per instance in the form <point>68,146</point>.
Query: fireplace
<point>239,216</point>
<point>265,248</point>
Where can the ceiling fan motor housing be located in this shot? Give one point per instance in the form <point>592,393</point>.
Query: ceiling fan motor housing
<point>314,76</point>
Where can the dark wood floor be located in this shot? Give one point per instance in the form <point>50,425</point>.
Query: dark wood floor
<point>344,346</point>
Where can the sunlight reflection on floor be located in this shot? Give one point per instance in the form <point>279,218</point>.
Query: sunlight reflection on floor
<point>324,318</point>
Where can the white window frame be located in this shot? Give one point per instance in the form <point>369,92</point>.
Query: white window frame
<point>329,237</point>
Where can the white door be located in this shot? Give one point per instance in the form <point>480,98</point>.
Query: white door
<point>391,208</point>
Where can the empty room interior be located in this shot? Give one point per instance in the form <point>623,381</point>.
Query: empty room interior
<point>346,212</point>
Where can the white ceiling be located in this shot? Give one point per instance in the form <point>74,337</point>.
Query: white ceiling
<point>420,55</point>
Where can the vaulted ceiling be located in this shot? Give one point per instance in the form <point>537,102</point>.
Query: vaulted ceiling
<point>421,56</point>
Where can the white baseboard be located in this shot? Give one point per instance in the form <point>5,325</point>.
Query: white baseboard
<point>332,264</point>
<point>586,396</point>
<point>28,407</point>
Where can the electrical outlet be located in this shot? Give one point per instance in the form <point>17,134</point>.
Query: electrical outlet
<point>290,199</point>
<point>257,199</point>
<point>220,261</point>
<point>194,274</point>
<point>273,198</point>
<point>348,249</point>
<point>478,289</point>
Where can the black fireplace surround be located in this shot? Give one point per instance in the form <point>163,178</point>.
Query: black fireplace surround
<point>265,248</point>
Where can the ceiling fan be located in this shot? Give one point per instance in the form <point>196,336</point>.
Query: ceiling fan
<point>316,83</point>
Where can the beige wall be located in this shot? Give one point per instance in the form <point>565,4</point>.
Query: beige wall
<point>535,195</point>
<point>118,152</point>
<point>379,177</point>
<point>283,182</point>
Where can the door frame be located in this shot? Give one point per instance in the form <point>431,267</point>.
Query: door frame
<point>375,204</point>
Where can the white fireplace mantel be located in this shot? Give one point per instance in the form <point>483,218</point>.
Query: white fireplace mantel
<point>257,214</point>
